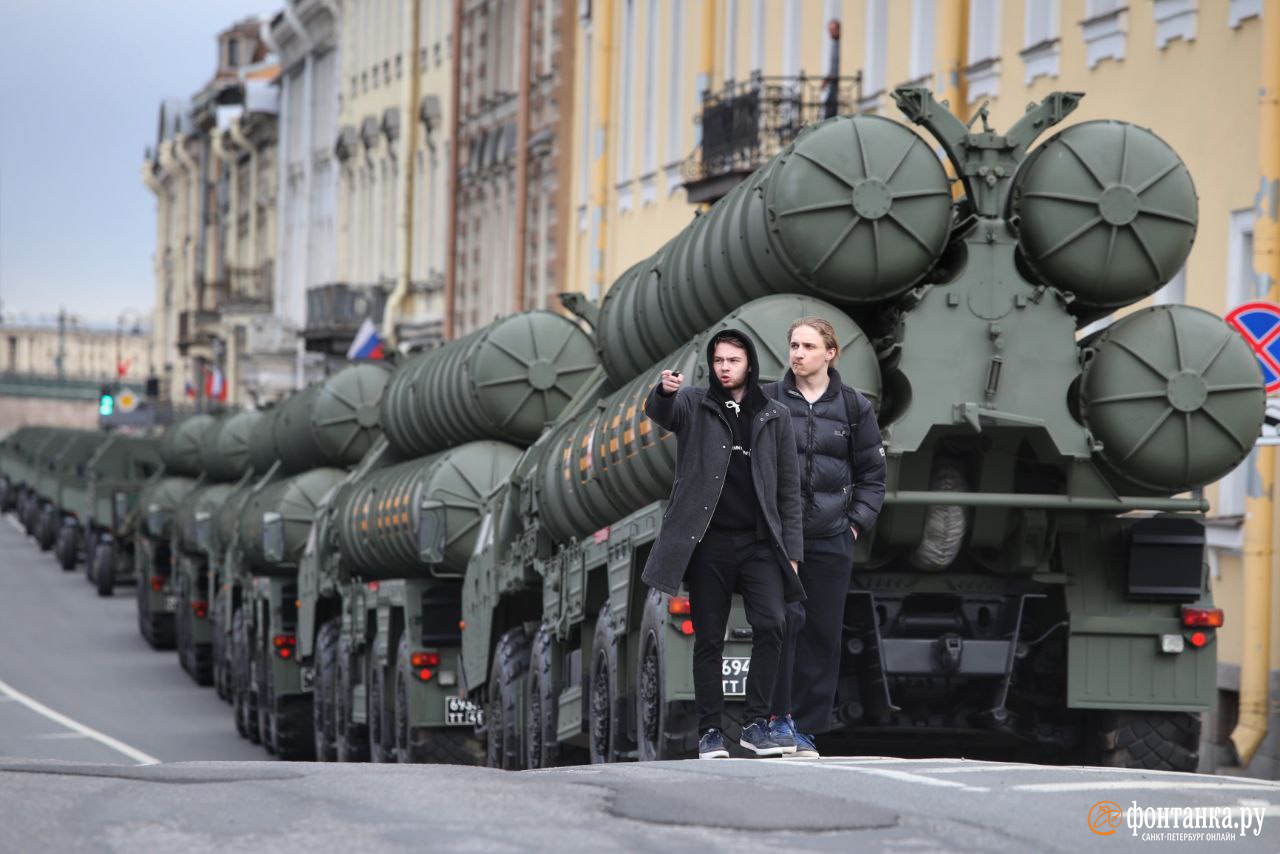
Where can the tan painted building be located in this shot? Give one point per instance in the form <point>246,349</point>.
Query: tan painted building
<point>515,72</point>
<point>1162,64</point>
<point>68,348</point>
<point>393,147</point>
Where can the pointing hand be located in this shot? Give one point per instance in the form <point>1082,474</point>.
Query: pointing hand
<point>671,381</point>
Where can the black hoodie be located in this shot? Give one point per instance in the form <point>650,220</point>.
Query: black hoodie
<point>738,509</point>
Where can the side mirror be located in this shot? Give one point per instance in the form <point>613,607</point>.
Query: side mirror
<point>204,530</point>
<point>155,520</point>
<point>120,509</point>
<point>273,537</point>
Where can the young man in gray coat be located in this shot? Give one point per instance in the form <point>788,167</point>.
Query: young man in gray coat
<point>733,524</point>
<point>842,469</point>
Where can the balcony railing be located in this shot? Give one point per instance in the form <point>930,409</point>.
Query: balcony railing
<point>335,312</point>
<point>195,328</point>
<point>747,123</point>
<point>246,289</point>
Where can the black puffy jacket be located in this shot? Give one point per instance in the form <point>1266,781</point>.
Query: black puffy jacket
<point>838,490</point>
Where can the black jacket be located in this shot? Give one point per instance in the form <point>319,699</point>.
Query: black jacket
<point>702,461</point>
<point>841,480</point>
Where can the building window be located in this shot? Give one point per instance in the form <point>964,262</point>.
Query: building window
<point>675,97</point>
<point>924,15</point>
<point>983,71</point>
<point>1042,44</point>
<point>874,53</point>
<point>1175,19</point>
<point>1242,286</point>
<point>626,103</point>
<point>792,21</point>
<point>1105,29</point>
<point>233,53</point>
<point>1242,10</point>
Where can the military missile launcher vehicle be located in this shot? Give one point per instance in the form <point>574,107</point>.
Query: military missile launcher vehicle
<point>61,484</point>
<point>1035,580</point>
<point>380,582</point>
<point>309,441</point>
<point>16,477</point>
<point>118,472</point>
<point>157,592</point>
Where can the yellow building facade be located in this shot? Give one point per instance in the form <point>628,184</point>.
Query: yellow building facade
<point>1190,71</point>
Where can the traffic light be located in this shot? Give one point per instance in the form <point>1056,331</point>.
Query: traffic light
<point>106,401</point>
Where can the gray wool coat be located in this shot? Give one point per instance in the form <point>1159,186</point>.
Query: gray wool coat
<point>702,458</point>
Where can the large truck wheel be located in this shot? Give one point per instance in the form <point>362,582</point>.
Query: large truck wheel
<point>502,719</point>
<point>606,728</point>
<point>1155,741</point>
<point>428,744</point>
<point>102,569</point>
<point>65,548</point>
<point>653,726</point>
<point>324,693</point>
<point>290,725</point>
<point>47,527</point>
<point>381,739</point>
<point>351,740</point>
<point>542,748</point>
<point>261,697</point>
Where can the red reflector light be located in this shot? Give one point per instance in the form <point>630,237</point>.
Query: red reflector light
<point>373,587</point>
<point>1198,639</point>
<point>425,659</point>
<point>1202,618</point>
<point>425,674</point>
<point>285,652</point>
<point>199,607</point>
<point>284,641</point>
<point>157,583</point>
<point>679,606</point>
<point>687,627</point>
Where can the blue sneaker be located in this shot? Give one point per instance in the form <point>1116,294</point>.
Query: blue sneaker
<point>756,739</point>
<point>711,745</point>
<point>805,748</point>
<point>782,730</point>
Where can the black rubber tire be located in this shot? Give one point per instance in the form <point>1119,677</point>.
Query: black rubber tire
<point>47,527</point>
<point>381,736</point>
<point>654,741</point>
<point>416,745</point>
<point>1154,741</point>
<point>503,727</point>
<point>351,740</point>
<point>102,569</point>
<point>542,695</point>
<point>66,549</point>
<point>606,734</point>
<point>323,694</point>
<point>239,675</point>
<point>291,728</point>
<point>262,699</point>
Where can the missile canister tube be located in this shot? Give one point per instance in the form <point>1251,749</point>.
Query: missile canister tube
<point>379,516</point>
<point>207,498</point>
<point>295,499</point>
<point>332,422</point>
<point>1174,395</point>
<point>855,210</point>
<point>161,498</point>
<point>1107,212</point>
<point>613,460</point>
<point>225,453</point>
<point>181,444</point>
<point>505,382</point>
<point>262,441</point>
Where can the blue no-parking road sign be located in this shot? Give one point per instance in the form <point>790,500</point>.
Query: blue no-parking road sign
<point>1259,324</point>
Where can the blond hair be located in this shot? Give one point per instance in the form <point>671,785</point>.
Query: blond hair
<point>824,329</point>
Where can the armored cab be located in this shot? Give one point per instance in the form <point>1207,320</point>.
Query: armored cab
<point>67,497</point>
<point>15,461</point>
<point>153,565</point>
<point>118,472</point>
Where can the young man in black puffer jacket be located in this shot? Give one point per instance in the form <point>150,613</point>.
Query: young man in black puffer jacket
<point>842,469</point>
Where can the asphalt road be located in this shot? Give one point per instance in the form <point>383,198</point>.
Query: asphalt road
<point>86,707</point>
<point>80,657</point>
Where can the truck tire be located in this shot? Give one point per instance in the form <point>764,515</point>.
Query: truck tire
<point>1155,741</point>
<point>290,716</point>
<point>47,527</point>
<point>239,679</point>
<point>102,569</point>
<point>502,723</point>
<point>653,725</point>
<point>351,740</point>
<point>428,744</point>
<point>323,694</point>
<point>606,733</point>
<point>65,548</point>
<point>381,739</point>
<point>260,694</point>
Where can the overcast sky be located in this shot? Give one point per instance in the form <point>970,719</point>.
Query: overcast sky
<point>80,88</point>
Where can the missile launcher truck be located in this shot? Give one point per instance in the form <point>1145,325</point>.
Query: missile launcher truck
<point>118,472</point>
<point>1036,579</point>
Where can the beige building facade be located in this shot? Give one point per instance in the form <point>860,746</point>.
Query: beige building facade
<point>65,348</point>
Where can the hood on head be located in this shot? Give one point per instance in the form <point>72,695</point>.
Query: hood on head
<point>753,363</point>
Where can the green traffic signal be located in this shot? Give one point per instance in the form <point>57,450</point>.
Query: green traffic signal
<point>106,403</point>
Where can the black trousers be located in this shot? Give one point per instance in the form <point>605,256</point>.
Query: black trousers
<point>724,564</point>
<point>810,663</point>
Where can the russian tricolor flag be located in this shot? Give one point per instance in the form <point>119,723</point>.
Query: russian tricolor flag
<point>367,344</point>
